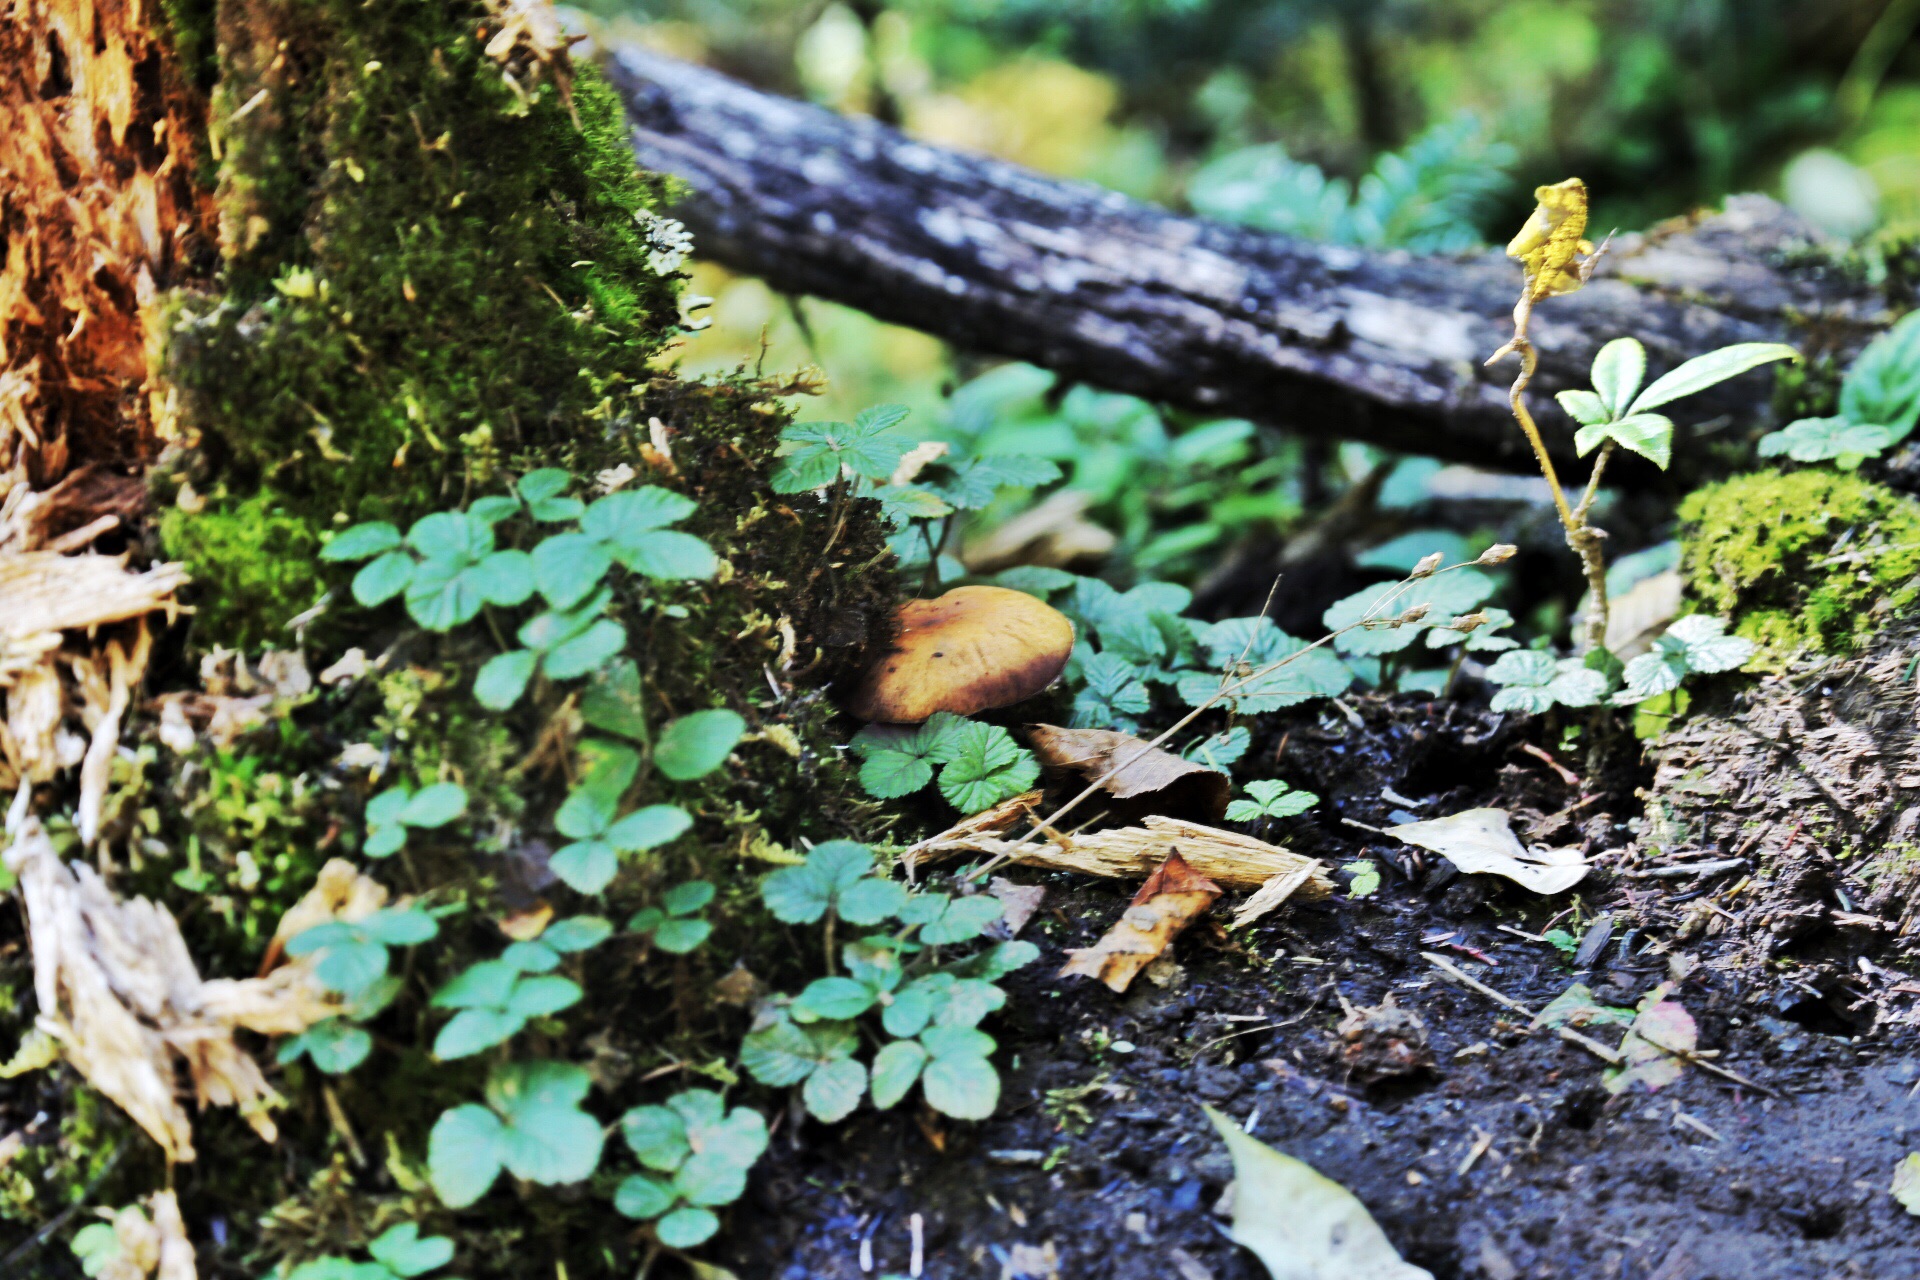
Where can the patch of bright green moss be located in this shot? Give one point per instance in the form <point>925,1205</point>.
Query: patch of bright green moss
<point>412,254</point>
<point>257,561</point>
<point>1804,560</point>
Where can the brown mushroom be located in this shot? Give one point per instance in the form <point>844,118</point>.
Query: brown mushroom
<point>972,649</point>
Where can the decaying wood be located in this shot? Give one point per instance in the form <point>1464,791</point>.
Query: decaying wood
<point>1231,859</point>
<point>118,990</point>
<point>100,213</point>
<point>1327,340</point>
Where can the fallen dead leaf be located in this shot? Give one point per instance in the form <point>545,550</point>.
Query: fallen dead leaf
<point>1055,533</point>
<point>1636,618</point>
<point>1271,894</point>
<point>1018,902</point>
<point>1480,842</point>
<point>1158,781</point>
<point>1654,1052</point>
<point>1302,1225</point>
<point>1171,899</point>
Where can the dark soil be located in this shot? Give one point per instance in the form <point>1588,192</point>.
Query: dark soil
<point>1100,1151</point>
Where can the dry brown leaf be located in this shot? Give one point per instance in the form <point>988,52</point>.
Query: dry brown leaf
<point>1232,859</point>
<point>1153,778</point>
<point>1171,899</point>
<point>1636,618</point>
<point>119,991</point>
<point>1018,902</point>
<point>1056,533</point>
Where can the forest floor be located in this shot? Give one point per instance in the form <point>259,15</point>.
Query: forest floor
<point>1504,1157</point>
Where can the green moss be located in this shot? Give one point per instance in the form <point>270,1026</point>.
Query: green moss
<point>412,254</point>
<point>256,561</point>
<point>1804,560</point>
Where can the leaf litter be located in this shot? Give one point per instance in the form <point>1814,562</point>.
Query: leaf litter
<point>1480,841</point>
<point>1172,898</point>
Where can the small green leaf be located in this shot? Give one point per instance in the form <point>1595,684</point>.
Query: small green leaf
<point>639,1196</point>
<point>669,555</point>
<point>895,1068</point>
<point>962,920</point>
<point>504,678</point>
<point>463,1154</point>
<point>805,471</point>
<point>621,518</point>
<point>1836,440</point>
<point>543,490</point>
<point>1704,371</point>
<point>835,999</point>
<point>678,937</point>
<point>443,594</point>
<point>1617,373</point>
<point>383,579</point>
<point>1883,384</point>
<point>648,828</point>
<point>888,775</point>
<point>485,984</point>
<point>1584,407</point>
<point>361,542</point>
<point>803,894</point>
<point>543,996</point>
<point>504,578</point>
<point>403,1251</point>
<point>1648,434</point>
<point>870,901</point>
<point>982,765</point>
<point>530,957</point>
<point>586,651</point>
<point>685,899</point>
<point>685,1228</point>
<point>435,806</point>
<point>336,1046</point>
<point>612,700</point>
<point>568,566</point>
<point>586,866</point>
<point>581,933</point>
<point>834,1089</point>
<point>451,536</point>
<point>697,744</point>
<point>494,508</point>
<point>473,1030</point>
<point>963,1086</point>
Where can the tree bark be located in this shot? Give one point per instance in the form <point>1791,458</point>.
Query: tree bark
<point>1373,345</point>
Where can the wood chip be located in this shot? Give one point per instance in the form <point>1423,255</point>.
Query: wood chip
<point>1226,857</point>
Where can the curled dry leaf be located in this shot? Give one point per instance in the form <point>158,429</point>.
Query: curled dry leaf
<point>1302,1225</point>
<point>1479,841</point>
<point>118,990</point>
<point>1227,857</point>
<point>1171,899</point>
<point>1151,778</point>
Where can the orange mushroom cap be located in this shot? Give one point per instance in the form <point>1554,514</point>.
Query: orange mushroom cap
<point>970,650</point>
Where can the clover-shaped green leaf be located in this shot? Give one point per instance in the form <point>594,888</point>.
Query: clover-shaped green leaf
<point>784,1053</point>
<point>631,526</point>
<point>1219,750</point>
<point>672,925</point>
<point>1482,637</point>
<point>1695,643</point>
<point>562,937</point>
<point>394,810</point>
<point>460,571</point>
<point>335,1045</point>
<point>958,1079</point>
<point>1883,385</point>
<point>981,765</point>
<point>406,1253</point>
<point>803,894</point>
<point>544,492</point>
<point>813,453</point>
<point>1534,681</point>
<point>494,999</point>
<point>1272,798</point>
<point>1112,696</point>
<point>1238,648</point>
<point>945,920</point>
<point>532,1126</point>
<point>897,760</point>
<point>352,957</point>
<point>589,864</point>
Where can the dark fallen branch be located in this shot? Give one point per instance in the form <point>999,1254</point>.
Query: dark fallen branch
<point>1368,345</point>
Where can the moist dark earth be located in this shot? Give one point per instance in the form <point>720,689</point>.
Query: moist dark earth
<point>1505,1158</point>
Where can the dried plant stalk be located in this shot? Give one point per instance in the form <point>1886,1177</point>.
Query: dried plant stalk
<point>1226,857</point>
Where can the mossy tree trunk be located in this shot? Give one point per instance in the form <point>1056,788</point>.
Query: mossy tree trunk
<point>272,267</point>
